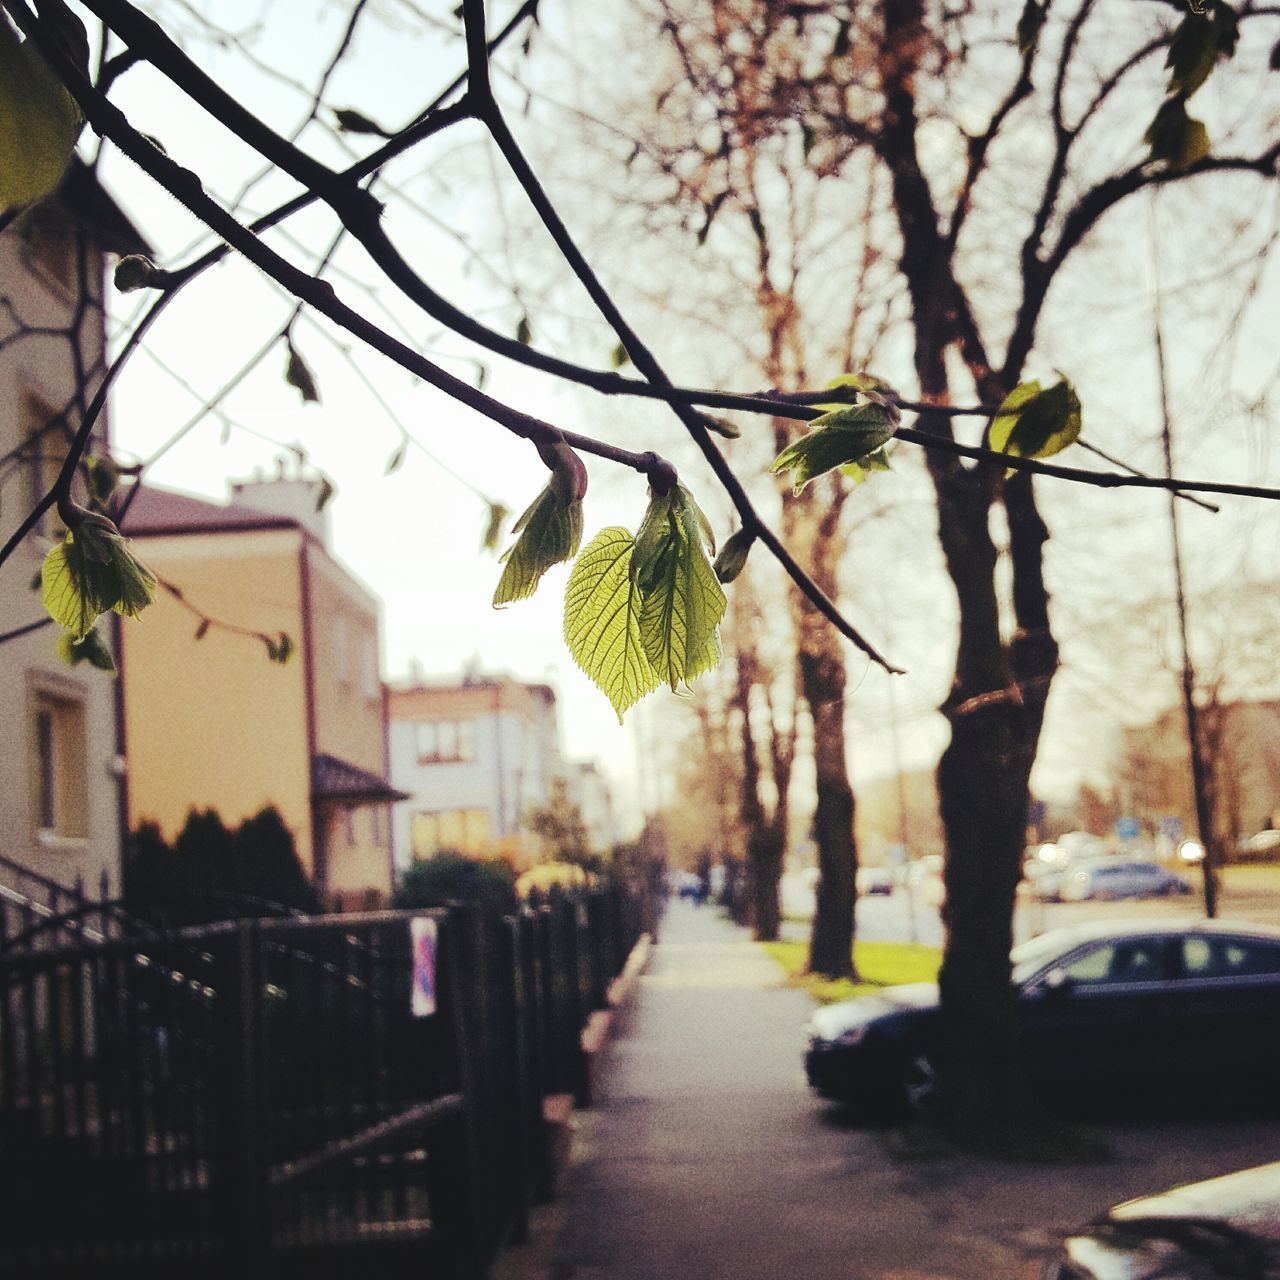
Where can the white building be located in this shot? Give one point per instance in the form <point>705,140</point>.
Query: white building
<point>61,761</point>
<point>476,755</point>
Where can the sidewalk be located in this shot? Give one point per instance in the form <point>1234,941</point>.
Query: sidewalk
<point>706,1157</point>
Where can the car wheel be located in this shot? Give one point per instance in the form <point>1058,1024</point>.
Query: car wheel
<point>918,1085</point>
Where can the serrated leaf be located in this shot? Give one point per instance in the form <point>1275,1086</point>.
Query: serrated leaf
<point>1176,138</point>
<point>550,532</point>
<point>1035,423</point>
<point>602,620</point>
<point>298,375</point>
<point>847,434</point>
<point>90,572</point>
<point>90,648</point>
<point>682,601</point>
<point>1029,25</point>
<point>39,123</point>
<point>493,527</point>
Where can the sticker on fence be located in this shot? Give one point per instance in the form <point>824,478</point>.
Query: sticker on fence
<point>422,938</point>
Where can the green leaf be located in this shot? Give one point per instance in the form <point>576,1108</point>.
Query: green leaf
<point>90,648</point>
<point>493,527</point>
<point>550,531</point>
<point>296,374</point>
<point>682,602</point>
<point>733,555</point>
<point>90,572</point>
<point>1029,25</point>
<point>872,389</point>
<point>104,476</point>
<point>619,357</point>
<point>1175,138</point>
<point>1035,423</point>
<point>602,620</point>
<point>1193,49</point>
<point>860,472</point>
<point>39,123</point>
<point>847,434</point>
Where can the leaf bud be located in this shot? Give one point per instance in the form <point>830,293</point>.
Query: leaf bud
<point>733,555</point>
<point>137,271</point>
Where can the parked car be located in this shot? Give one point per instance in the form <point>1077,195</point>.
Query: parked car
<point>1106,878</point>
<point>1222,1229</point>
<point>875,881</point>
<point>1102,1011</point>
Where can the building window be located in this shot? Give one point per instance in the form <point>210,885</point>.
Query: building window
<point>441,740</point>
<point>370,685</point>
<point>60,805</point>
<point>451,830</point>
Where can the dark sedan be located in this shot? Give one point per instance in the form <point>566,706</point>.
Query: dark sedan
<point>1101,1010</point>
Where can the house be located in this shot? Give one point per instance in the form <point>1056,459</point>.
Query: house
<point>475,756</point>
<point>214,720</point>
<point>61,763</point>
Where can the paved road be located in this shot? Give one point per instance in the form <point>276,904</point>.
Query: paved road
<point>708,1159</point>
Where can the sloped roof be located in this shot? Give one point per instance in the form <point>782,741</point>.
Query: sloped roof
<point>162,511</point>
<point>85,196</point>
<point>334,779</point>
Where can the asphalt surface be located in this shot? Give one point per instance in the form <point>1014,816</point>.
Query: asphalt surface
<point>706,1157</point>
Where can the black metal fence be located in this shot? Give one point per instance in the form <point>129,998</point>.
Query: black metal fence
<point>325,1096</point>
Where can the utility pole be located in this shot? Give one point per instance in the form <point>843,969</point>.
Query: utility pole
<point>1199,773</point>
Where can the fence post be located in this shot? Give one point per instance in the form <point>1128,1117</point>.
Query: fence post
<point>464,1162</point>
<point>245,1175</point>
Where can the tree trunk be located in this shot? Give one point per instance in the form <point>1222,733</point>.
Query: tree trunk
<point>822,679</point>
<point>996,709</point>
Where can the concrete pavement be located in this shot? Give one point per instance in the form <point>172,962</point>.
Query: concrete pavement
<point>706,1157</point>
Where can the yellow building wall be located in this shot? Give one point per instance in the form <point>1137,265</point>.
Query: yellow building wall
<point>349,721</point>
<point>212,723</point>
